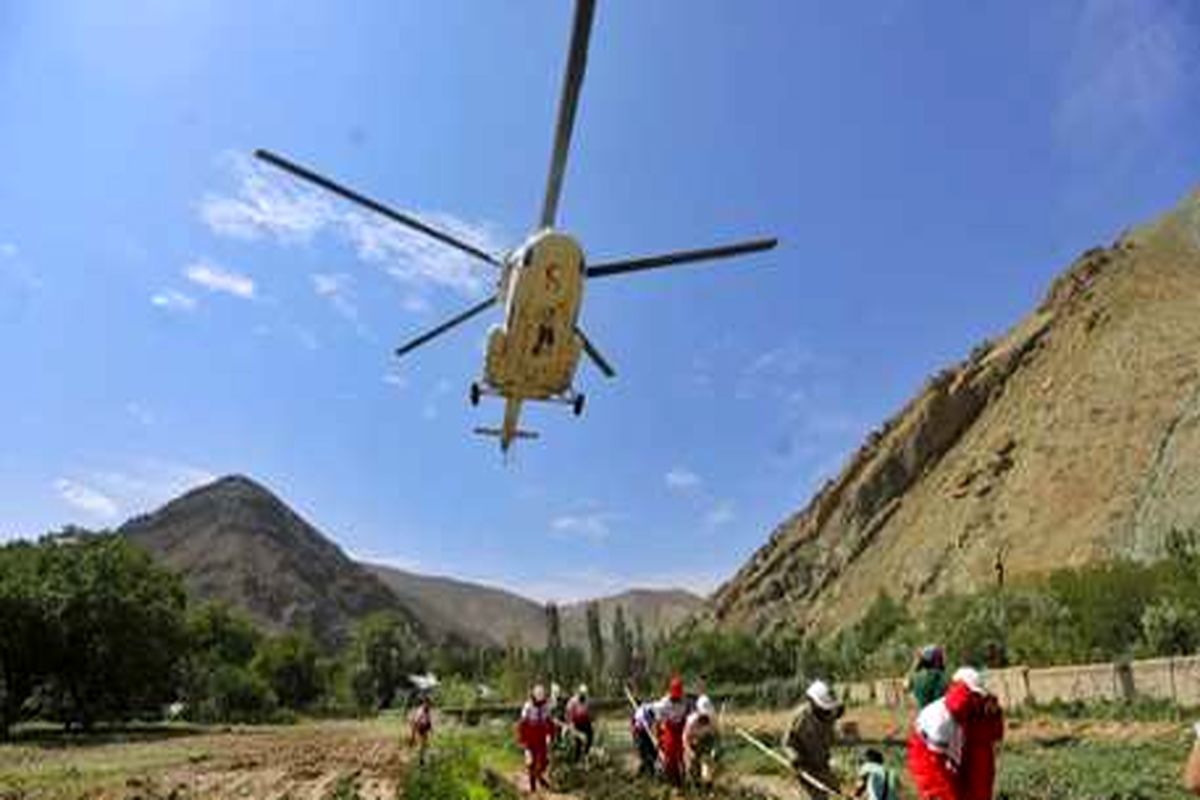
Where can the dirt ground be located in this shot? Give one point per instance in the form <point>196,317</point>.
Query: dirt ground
<point>300,762</point>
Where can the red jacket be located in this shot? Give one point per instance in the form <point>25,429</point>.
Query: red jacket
<point>536,727</point>
<point>982,721</point>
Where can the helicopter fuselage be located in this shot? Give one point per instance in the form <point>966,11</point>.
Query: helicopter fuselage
<point>534,353</point>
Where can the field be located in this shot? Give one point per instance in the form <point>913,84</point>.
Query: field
<point>1044,758</point>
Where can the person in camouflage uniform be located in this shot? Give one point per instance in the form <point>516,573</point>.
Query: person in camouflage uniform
<point>810,738</point>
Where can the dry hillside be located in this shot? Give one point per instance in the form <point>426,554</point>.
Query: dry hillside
<point>235,541</point>
<point>1074,437</point>
<point>491,616</point>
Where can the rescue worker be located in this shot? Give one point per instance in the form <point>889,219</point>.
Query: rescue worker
<point>700,743</point>
<point>877,781</point>
<point>927,680</point>
<point>642,726</point>
<point>935,753</point>
<point>420,726</point>
<point>810,739</point>
<point>952,750</point>
<point>535,730</point>
<point>978,712</point>
<point>671,715</point>
<point>579,717</point>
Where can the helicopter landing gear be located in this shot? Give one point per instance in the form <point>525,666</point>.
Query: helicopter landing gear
<point>476,393</point>
<point>577,404</point>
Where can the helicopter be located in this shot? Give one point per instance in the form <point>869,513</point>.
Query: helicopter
<point>533,354</point>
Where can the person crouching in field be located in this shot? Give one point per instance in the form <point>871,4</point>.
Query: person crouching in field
<point>420,726</point>
<point>700,743</point>
<point>642,727</point>
<point>671,715</point>
<point>535,730</point>
<point>877,781</point>
<point>579,717</point>
<point>810,739</point>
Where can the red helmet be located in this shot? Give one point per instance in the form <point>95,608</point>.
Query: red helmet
<point>676,690</point>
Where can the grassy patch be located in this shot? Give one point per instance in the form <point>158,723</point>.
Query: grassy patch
<point>1076,770</point>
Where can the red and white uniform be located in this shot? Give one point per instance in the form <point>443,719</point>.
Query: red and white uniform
<point>534,731</point>
<point>671,716</point>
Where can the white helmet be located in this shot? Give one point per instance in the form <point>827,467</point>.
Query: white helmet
<point>583,690</point>
<point>972,678</point>
<point>821,695</point>
<point>704,706</point>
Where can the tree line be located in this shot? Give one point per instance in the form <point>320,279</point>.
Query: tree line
<point>93,630</point>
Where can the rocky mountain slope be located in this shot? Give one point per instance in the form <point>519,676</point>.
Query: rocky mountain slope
<point>235,541</point>
<point>491,616</point>
<point>1074,437</point>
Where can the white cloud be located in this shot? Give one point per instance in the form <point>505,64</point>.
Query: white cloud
<point>1129,69</point>
<point>681,479</point>
<point>414,304</point>
<point>140,413</point>
<point>86,498</point>
<point>142,484</point>
<point>268,203</point>
<point>8,250</point>
<point>720,514</point>
<point>338,289</point>
<point>173,300</point>
<point>395,379</point>
<point>218,279</point>
<point>593,526</point>
<point>433,401</point>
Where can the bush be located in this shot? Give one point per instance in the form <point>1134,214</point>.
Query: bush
<point>453,772</point>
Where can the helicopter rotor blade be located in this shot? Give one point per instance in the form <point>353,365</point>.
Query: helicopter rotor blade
<point>454,321</point>
<point>600,361</point>
<point>406,220</point>
<point>568,101</point>
<point>679,257</point>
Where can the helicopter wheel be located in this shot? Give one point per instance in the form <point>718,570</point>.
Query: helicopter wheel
<point>577,404</point>
<point>475,394</point>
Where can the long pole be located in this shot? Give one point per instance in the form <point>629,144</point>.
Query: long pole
<point>778,757</point>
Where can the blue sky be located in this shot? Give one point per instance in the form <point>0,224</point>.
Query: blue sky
<point>169,311</point>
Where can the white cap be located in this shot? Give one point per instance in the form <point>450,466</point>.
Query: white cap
<point>582,688</point>
<point>820,693</point>
<point>972,678</point>
<point>704,706</point>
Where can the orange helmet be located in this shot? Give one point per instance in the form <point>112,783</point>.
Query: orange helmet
<point>676,690</point>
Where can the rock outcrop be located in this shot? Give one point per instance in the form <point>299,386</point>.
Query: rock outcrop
<point>1074,437</point>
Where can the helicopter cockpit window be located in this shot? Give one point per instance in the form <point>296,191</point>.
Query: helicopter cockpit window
<point>527,257</point>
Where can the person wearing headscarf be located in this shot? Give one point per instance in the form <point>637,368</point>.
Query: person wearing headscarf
<point>927,681</point>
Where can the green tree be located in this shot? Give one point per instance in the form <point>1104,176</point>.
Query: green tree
<point>383,653</point>
<point>26,638</point>
<point>288,664</point>
<point>622,649</point>
<point>595,642</point>
<point>117,626</point>
<point>553,641</point>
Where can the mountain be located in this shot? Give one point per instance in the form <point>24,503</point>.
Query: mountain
<point>491,616</point>
<point>661,611</point>
<point>235,541</point>
<point>1074,437</point>
<point>467,611</point>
